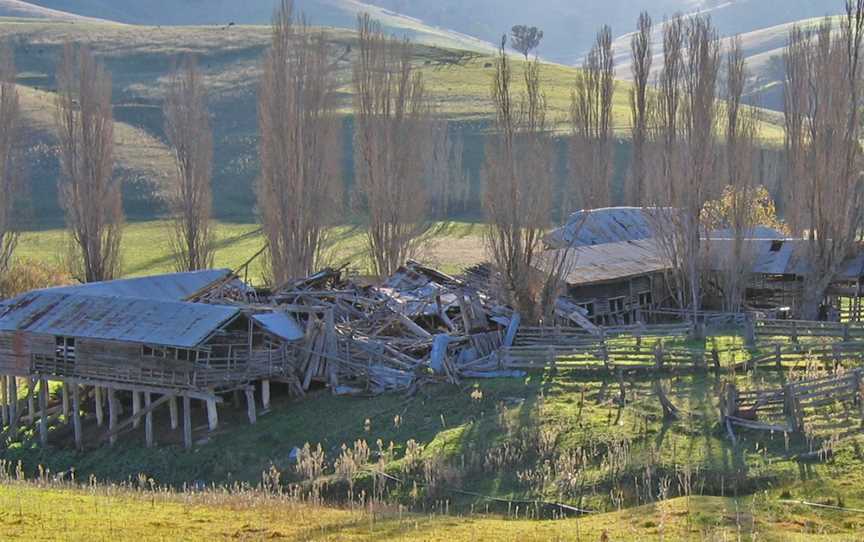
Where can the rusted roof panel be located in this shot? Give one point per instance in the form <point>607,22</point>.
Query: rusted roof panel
<point>169,287</point>
<point>607,262</point>
<point>148,321</point>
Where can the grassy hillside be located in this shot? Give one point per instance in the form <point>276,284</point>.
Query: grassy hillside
<point>112,514</point>
<point>497,445</point>
<point>141,57</point>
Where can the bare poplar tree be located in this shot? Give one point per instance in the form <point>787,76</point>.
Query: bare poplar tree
<point>591,114</point>
<point>299,191</point>
<point>517,179</point>
<point>688,114</point>
<point>795,107</point>
<point>740,191</point>
<point>393,131</point>
<point>831,186</point>
<point>90,193</point>
<point>187,126</point>
<point>641,60</point>
<point>11,189</point>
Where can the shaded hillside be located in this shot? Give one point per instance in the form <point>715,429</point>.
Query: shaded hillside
<point>335,13</point>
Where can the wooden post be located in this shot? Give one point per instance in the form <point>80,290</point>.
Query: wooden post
<point>846,332</point>
<point>265,392</point>
<point>148,420</point>
<point>43,411</point>
<point>172,408</point>
<point>136,408</point>
<point>31,400</point>
<point>778,357</point>
<point>13,403</point>
<point>97,402</point>
<point>76,416</point>
<point>658,356</point>
<point>795,332</point>
<point>112,415</point>
<point>715,357</point>
<point>250,404</point>
<point>212,415</point>
<point>187,422</point>
<point>64,393</point>
<point>4,400</point>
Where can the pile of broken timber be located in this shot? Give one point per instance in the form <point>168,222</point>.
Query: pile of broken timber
<point>784,409</point>
<point>419,325</point>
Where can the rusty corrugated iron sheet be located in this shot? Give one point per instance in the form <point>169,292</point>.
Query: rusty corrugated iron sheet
<point>146,321</point>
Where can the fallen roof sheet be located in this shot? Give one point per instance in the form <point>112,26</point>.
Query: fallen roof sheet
<point>281,325</point>
<point>168,287</point>
<point>607,262</point>
<point>146,321</point>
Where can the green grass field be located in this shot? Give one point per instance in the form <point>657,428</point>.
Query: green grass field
<point>147,247</point>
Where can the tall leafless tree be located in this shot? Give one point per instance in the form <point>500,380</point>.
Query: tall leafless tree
<point>830,184</point>
<point>90,193</point>
<point>687,123</point>
<point>393,132</point>
<point>795,107</point>
<point>11,188</point>
<point>517,179</point>
<point>187,126</point>
<point>640,106</point>
<point>740,190</point>
<point>299,192</point>
<point>592,159</point>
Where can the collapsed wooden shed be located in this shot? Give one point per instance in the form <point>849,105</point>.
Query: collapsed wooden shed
<point>142,337</point>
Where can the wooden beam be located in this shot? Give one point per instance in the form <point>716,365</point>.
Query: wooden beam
<point>43,411</point>
<point>112,416</point>
<point>250,405</point>
<point>137,417</point>
<point>187,422</point>
<point>76,416</point>
<point>172,407</point>
<point>148,420</point>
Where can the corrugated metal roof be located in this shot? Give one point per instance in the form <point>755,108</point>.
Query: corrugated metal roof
<point>601,226</point>
<point>281,325</point>
<point>150,321</point>
<point>756,232</point>
<point>168,287</point>
<point>777,257</point>
<point>607,262</point>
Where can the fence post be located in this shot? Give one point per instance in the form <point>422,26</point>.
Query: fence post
<point>791,409</point>
<point>846,332</point>
<point>778,357</point>
<point>715,356</point>
<point>795,332</point>
<point>658,356</point>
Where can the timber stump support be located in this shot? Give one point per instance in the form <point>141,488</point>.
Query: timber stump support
<point>265,393</point>
<point>172,409</point>
<point>136,408</point>
<point>187,422</point>
<point>112,416</point>
<point>43,412</point>
<point>97,402</point>
<point>148,421</point>
<point>212,415</point>
<point>76,416</point>
<point>250,405</point>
